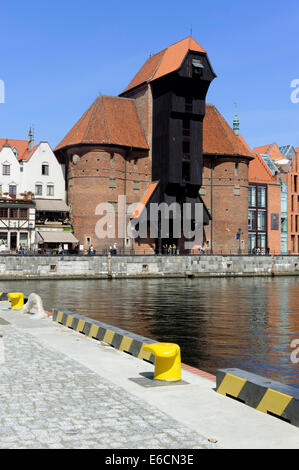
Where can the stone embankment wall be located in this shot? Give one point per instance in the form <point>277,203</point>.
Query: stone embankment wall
<point>66,267</point>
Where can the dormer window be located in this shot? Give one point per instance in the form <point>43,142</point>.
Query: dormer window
<point>15,151</point>
<point>197,67</point>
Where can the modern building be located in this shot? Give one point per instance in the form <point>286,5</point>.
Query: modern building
<point>264,206</point>
<point>158,142</point>
<point>283,161</point>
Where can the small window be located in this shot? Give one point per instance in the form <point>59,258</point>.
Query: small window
<point>112,158</point>
<point>38,189</point>
<point>136,185</point>
<point>13,213</point>
<point>112,182</point>
<point>3,213</point>
<point>6,170</point>
<point>45,169</point>
<point>88,241</point>
<point>112,207</point>
<point>23,213</point>
<point>12,190</point>
<point>15,151</point>
<point>186,171</point>
<point>50,190</point>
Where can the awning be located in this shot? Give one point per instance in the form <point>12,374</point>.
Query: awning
<point>51,205</point>
<point>57,237</point>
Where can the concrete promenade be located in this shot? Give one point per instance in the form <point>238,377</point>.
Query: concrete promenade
<point>62,390</point>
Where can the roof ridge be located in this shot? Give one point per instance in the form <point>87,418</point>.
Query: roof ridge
<point>156,69</point>
<point>105,120</point>
<point>141,122</point>
<point>94,104</point>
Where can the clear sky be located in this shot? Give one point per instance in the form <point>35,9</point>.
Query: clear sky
<point>57,56</point>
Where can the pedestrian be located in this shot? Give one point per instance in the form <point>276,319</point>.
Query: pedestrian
<point>174,248</point>
<point>60,249</point>
<point>114,248</point>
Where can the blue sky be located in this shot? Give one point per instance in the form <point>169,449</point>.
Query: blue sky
<point>57,56</point>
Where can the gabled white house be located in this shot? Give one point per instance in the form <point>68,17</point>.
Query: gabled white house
<point>10,173</point>
<point>41,173</point>
<point>29,171</point>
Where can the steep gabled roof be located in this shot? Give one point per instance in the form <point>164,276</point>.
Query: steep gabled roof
<point>109,120</point>
<point>219,138</point>
<point>28,153</point>
<point>20,145</point>
<point>164,62</point>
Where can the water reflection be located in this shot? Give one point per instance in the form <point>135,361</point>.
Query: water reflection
<point>247,323</point>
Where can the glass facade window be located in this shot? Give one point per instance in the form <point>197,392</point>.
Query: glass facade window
<point>261,220</point>
<point>261,240</point>
<point>251,196</point>
<point>251,242</point>
<point>261,196</point>
<point>251,219</point>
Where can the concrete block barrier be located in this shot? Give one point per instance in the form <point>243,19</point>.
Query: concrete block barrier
<point>117,338</point>
<point>266,395</point>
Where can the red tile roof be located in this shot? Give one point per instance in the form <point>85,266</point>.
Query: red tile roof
<point>219,138</point>
<point>259,171</point>
<point>28,153</point>
<point>263,149</point>
<point>20,145</point>
<point>109,120</point>
<point>164,62</point>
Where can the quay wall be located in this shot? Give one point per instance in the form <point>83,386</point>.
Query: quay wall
<point>103,267</point>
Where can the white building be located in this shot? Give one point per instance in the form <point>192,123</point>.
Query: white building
<point>29,171</point>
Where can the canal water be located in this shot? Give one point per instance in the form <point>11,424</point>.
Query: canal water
<point>247,323</point>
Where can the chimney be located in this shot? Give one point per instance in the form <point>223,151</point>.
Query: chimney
<point>30,140</point>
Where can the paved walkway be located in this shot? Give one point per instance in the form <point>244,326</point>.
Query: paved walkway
<point>52,401</point>
<point>60,389</point>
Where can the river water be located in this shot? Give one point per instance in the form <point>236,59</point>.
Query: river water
<point>247,323</point>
